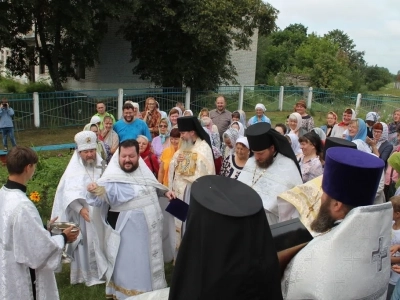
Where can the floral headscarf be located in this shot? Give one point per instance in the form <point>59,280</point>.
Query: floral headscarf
<point>241,127</point>
<point>233,135</point>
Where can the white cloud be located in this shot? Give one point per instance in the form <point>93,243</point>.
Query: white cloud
<point>373,25</point>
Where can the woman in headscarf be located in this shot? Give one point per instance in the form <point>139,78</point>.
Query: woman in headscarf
<point>370,119</point>
<point>212,130</point>
<point>394,162</point>
<point>216,148</point>
<point>145,153</point>
<point>339,129</point>
<point>294,143</point>
<point>167,154</point>
<point>393,127</point>
<point>379,144</point>
<point>307,120</point>
<point>310,162</point>
<point>331,119</point>
<point>151,116</point>
<point>239,116</point>
<point>260,115</point>
<point>295,122</point>
<point>358,134</point>
<point>229,141</point>
<point>187,112</point>
<point>321,134</point>
<point>173,116</point>
<point>160,142</point>
<point>238,126</point>
<point>101,148</point>
<point>109,137</point>
<point>234,163</point>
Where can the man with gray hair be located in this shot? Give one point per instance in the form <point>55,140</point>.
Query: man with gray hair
<point>70,206</point>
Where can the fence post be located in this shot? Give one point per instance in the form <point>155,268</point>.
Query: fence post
<point>241,97</point>
<point>187,99</point>
<point>309,98</point>
<point>36,109</point>
<point>280,99</point>
<point>358,102</point>
<point>120,102</point>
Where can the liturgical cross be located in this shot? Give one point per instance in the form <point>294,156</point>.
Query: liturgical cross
<point>102,167</point>
<point>380,254</point>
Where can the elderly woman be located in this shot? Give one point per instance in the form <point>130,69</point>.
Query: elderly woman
<point>234,163</point>
<point>239,116</point>
<point>294,143</point>
<point>310,163</point>
<point>295,122</point>
<point>393,127</point>
<point>331,119</point>
<point>260,115</point>
<point>187,112</point>
<point>151,116</point>
<point>109,137</point>
<point>167,154</point>
<point>307,120</point>
<point>339,129</point>
<point>358,134</point>
<point>238,126</point>
<point>229,141</point>
<point>173,116</point>
<point>379,144</point>
<point>160,142</point>
<point>145,153</point>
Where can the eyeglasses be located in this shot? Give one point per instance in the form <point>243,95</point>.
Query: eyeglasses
<point>162,126</point>
<point>377,131</point>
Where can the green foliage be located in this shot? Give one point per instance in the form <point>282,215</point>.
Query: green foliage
<point>66,34</point>
<point>330,61</point>
<point>190,42</point>
<point>38,87</point>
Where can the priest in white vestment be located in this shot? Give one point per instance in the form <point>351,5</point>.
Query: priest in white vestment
<point>70,206</point>
<point>28,253</point>
<point>350,259</point>
<point>194,157</point>
<point>272,170</point>
<point>129,245</point>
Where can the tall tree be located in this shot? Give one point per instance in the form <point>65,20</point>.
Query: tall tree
<point>65,34</point>
<point>189,42</point>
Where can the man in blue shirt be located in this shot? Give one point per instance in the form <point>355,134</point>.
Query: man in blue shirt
<point>130,127</point>
<point>6,123</point>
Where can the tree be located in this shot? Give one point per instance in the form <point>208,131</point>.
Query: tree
<point>189,42</point>
<point>65,34</point>
<point>377,77</point>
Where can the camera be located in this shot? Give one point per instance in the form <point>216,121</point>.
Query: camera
<point>5,104</point>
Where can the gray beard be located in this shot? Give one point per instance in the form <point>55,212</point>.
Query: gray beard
<point>89,164</point>
<point>186,145</point>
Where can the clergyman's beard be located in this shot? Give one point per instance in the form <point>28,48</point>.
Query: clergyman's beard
<point>266,163</point>
<point>129,167</point>
<point>186,145</point>
<point>91,162</point>
<point>324,220</point>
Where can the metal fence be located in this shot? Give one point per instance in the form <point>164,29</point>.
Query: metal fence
<point>75,108</point>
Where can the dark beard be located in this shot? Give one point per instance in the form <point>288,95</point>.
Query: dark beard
<point>130,169</point>
<point>324,220</point>
<point>265,164</point>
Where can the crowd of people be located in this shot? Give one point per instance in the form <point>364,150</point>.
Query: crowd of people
<point>203,191</point>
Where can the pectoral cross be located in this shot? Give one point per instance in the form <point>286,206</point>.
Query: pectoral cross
<point>379,254</point>
<point>102,167</point>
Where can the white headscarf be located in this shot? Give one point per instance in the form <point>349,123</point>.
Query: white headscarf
<point>294,143</point>
<point>320,133</point>
<point>189,111</point>
<point>384,136</point>
<point>260,105</point>
<point>299,119</point>
<point>241,127</point>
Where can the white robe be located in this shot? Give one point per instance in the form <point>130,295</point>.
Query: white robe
<point>155,295</point>
<point>24,244</point>
<point>351,261</point>
<point>136,257</point>
<point>69,199</point>
<point>281,176</point>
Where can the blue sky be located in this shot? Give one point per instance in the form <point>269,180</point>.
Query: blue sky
<point>373,25</point>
